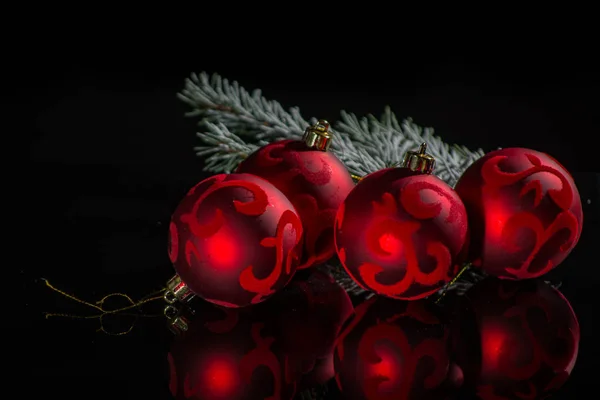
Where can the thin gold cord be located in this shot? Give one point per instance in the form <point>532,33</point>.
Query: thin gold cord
<point>157,295</point>
<point>453,281</point>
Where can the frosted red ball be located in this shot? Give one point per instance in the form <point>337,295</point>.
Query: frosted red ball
<point>515,339</point>
<point>524,212</point>
<point>394,350</point>
<point>316,182</point>
<point>401,234</point>
<point>235,240</point>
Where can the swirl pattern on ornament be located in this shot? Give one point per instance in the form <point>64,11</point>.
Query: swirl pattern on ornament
<point>399,236</point>
<point>529,339</point>
<point>526,217</point>
<point>316,183</point>
<point>264,287</point>
<point>382,357</point>
<point>218,365</point>
<point>261,356</point>
<point>239,239</point>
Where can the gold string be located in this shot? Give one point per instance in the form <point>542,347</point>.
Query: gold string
<point>356,177</point>
<point>157,295</point>
<point>453,281</point>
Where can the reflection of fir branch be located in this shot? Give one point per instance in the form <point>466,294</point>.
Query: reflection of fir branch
<point>365,145</point>
<point>316,393</point>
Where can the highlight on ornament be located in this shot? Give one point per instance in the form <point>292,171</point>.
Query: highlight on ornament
<point>327,263</point>
<point>525,213</point>
<point>401,231</point>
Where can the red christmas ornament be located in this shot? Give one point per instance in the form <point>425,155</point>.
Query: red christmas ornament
<point>234,240</point>
<point>515,339</point>
<point>401,231</point>
<point>524,211</point>
<point>226,354</point>
<point>308,316</point>
<point>394,350</point>
<point>313,179</point>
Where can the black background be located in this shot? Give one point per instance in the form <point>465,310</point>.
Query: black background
<point>111,155</point>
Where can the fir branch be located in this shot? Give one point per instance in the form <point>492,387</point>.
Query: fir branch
<point>215,99</point>
<point>223,150</point>
<point>386,140</point>
<point>364,145</point>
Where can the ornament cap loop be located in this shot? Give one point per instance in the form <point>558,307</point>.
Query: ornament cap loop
<point>419,161</point>
<point>177,290</point>
<point>318,136</point>
<point>177,322</point>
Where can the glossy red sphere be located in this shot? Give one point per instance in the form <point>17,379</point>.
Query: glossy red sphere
<point>394,350</point>
<point>515,339</point>
<point>226,354</point>
<point>524,212</point>
<point>316,182</point>
<point>235,240</point>
<point>401,234</point>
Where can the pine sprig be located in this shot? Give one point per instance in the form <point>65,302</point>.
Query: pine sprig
<point>215,99</point>
<point>387,140</point>
<point>235,121</point>
<point>222,150</point>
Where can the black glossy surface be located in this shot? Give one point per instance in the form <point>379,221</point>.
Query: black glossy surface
<point>112,155</point>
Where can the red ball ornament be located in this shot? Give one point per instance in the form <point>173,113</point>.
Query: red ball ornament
<point>401,231</point>
<point>226,354</point>
<point>313,179</point>
<point>394,350</point>
<point>524,212</point>
<point>234,240</point>
<point>515,339</point>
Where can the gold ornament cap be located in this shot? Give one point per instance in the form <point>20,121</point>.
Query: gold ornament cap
<point>177,322</point>
<point>177,291</point>
<point>419,161</point>
<point>318,136</point>
<point>177,295</point>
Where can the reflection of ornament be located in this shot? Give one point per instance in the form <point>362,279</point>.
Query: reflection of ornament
<point>308,315</point>
<point>227,355</point>
<point>393,350</point>
<point>272,350</point>
<point>313,179</point>
<point>524,212</point>
<point>515,339</point>
<point>234,241</point>
<point>401,231</point>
